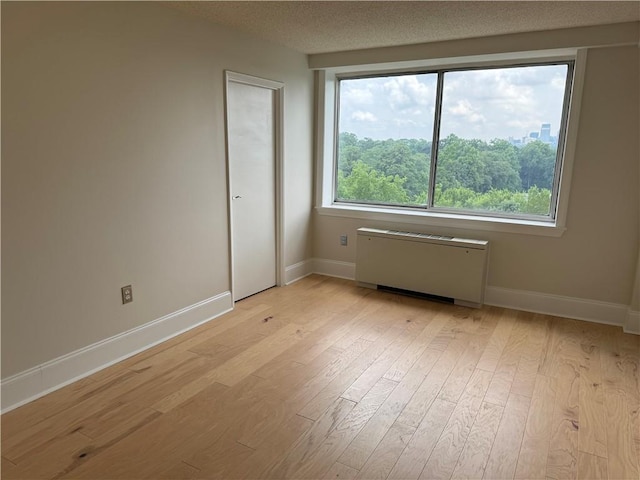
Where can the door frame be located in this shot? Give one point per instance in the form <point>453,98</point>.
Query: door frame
<point>278,110</point>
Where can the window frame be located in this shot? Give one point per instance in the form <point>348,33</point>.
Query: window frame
<point>327,146</point>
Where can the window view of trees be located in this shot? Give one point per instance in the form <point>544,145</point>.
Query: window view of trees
<point>471,174</point>
<point>486,161</point>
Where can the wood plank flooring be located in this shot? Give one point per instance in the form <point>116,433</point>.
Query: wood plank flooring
<point>322,379</point>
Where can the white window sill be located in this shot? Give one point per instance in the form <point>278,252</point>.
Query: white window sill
<point>433,219</point>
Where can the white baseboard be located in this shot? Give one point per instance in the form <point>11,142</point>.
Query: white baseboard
<point>26,386</point>
<point>559,306</point>
<point>632,324</point>
<point>298,271</point>
<point>334,268</point>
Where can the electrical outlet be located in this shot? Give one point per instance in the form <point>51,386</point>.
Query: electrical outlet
<point>343,240</point>
<point>127,294</point>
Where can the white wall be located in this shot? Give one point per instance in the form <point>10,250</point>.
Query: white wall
<point>113,167</point>
<point>595,259</point>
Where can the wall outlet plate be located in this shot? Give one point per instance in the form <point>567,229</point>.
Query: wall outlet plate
<point>127,294</point>
<point>344,240</point>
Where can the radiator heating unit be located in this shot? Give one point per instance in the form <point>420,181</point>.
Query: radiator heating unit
<point>450,267</point>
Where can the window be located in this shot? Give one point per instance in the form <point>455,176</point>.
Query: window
<point>483,141</point>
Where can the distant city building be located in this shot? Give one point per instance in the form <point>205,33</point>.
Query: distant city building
<point>544,135</point>
<point>545,132</point>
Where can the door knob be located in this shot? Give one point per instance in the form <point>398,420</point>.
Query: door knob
<point>237,197</point>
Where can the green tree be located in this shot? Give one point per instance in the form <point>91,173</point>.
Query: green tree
<point>536,201</point>
<point>395,158</point>
<point>537,162</point>
<point>460,164</point>
<point>366,184</point>
<point>502,167</point>
<point>471,174</point>
<point>349,150</point>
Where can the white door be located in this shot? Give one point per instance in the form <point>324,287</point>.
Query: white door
<point>252,151</point>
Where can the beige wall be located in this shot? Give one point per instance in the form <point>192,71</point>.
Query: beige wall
<point>635,296</point>
<point>113,167</point>
<point>595,259</point>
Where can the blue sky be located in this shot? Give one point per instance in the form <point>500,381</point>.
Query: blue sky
<point>484,104</point>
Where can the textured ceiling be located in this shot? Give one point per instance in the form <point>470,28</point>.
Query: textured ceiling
<point>321,27</point>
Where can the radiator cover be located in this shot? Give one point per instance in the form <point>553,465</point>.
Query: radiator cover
<point>431,264</point>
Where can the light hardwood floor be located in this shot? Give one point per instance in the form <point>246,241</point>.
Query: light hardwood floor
<point>322,379</point>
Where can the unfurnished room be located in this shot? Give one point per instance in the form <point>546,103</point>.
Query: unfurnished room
<point>320,239</point>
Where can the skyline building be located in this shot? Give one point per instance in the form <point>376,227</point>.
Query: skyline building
<point>545,132</point>
<point>543,135</point>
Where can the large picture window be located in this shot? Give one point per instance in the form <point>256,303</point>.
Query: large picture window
<point>485,141</point>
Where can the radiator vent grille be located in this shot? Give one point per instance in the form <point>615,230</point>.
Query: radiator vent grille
<point>425,263</point>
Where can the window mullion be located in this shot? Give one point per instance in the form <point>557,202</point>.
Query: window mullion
<point>562,135</point>
<point>336,140</point>
<point>435,141</point>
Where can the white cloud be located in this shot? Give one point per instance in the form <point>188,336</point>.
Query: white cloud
<point>486,104</point>
<point>398,98</point>
<point>403,122</point>
<point>407,91</point>
<point>463,108</point>
<point>498,103</point>
<point>559,82</point>
<point>364,116</point>
<point>360,96</point>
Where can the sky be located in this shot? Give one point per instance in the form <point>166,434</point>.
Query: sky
<point>483,104</point>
